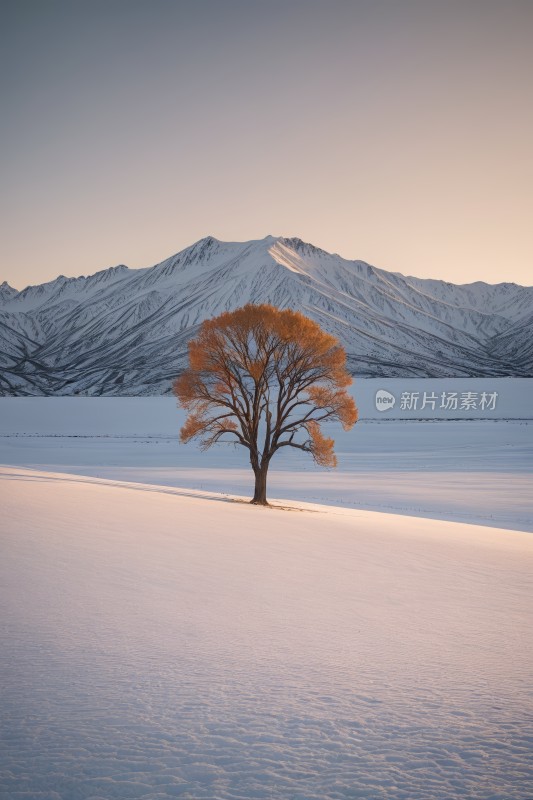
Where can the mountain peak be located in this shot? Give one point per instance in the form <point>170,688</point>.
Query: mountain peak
<point>122,331</point>
<point>202,248</point>
<point>205,244</point>
<point>304,248</point>
<point>7,291</point>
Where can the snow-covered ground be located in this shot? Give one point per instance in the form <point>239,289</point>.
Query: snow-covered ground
<point>161,643</point>
<point>466,470</point>
<point>160,640</point>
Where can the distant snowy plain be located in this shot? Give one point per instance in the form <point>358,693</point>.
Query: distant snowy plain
<point>161,639</point>
<point>465,469</point>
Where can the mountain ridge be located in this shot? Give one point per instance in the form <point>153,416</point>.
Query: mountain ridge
<point>125,331</point>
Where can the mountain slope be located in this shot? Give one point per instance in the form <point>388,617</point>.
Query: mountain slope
<point>123,331</point>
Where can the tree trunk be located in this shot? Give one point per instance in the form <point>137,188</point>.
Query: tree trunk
<point>260,498</point>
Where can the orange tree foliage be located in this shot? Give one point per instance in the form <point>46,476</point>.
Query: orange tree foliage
<point>265,379</point>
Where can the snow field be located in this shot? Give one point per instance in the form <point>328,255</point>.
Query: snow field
<point>161,642</point>
<point>477,471</point>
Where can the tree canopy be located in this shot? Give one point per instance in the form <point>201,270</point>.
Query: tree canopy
<point>265,379</point>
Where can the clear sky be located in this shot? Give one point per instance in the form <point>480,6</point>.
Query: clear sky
<point>397,132</point>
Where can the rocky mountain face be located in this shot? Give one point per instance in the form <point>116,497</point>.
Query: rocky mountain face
<point>125,331</point>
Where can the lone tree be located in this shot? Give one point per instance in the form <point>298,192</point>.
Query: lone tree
<point>265,379</point>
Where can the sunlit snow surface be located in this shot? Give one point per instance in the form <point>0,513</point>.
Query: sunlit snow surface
<point>159,640</point>
<point>158,644</point>
<point>478,471</point>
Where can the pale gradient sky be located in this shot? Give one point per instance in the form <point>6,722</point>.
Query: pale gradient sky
<point>397,132</point>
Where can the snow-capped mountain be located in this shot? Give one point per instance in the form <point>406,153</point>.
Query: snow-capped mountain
<point>125,331</point>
